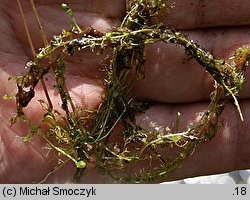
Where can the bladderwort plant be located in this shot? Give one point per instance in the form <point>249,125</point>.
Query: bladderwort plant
<point>81,136</point>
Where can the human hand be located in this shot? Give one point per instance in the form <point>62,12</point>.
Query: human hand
<point>171,78</point>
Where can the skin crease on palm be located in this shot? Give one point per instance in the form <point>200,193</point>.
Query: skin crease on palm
<point>175,82</point>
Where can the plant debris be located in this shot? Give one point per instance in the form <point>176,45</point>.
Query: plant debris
<point>83,136</point>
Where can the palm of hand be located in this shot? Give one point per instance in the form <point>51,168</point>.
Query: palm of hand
<point>85,87</point>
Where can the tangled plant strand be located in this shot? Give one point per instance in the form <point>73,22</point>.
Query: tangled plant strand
<point>83,136</point>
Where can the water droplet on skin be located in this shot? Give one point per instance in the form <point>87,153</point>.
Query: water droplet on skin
<point>247,63</point>
<point>82,41</point>
<point>167,129</point>
<point>233,63</point>
<point>29,64</point>
<point>56,37</point>
<point>75,31</point>
<point>177,33</point>
<point>209,56</point>
<point>26,89</point>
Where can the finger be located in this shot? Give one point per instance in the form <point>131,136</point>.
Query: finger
<point>191,14</point>
<point>172,76</point>
<point>171,64</point>
<point>228,151</point>
<point>111,8</point>
<point>101,15</point>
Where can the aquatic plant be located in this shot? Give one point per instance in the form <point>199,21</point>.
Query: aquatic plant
<point>83,136</point>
